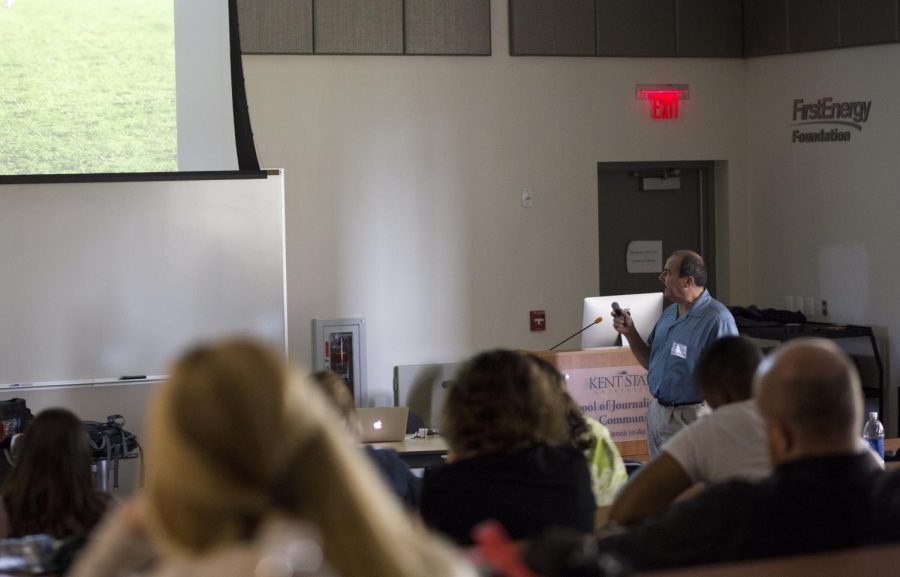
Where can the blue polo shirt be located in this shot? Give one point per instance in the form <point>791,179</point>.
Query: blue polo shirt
<point>676,345</point>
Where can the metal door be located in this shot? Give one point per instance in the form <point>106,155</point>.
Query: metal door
<point>667,202</point>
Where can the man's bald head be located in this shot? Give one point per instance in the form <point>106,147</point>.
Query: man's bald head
<point>809,391</point>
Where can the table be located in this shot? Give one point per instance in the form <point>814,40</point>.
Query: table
<point>892,444</point>
<point>419,453</point>
<point>881,561</point>
<point>837,333</point>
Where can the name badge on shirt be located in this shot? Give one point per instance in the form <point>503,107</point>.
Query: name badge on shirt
<point>679,350</point>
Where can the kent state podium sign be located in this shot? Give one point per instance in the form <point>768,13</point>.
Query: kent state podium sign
<point>610,386</point>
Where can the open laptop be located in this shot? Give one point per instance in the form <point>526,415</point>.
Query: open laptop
<point>382,424</point>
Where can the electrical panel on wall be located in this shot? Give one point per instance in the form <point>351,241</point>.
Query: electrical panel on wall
<point>339,345</point>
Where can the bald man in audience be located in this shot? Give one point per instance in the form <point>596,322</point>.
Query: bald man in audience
<point>823,495</point>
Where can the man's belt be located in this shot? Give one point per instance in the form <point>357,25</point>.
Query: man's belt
<point>670,404</point>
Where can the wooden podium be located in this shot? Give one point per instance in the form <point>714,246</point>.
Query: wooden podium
<point>611,386</point>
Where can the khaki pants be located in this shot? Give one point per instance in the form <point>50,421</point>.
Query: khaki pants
<point>664,422</point>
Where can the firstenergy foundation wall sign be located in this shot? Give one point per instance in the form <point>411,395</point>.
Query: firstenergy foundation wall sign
<point>828,120</point>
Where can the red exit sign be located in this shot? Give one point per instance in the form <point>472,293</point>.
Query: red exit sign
<point>665,99</point>
<point>665,107</point>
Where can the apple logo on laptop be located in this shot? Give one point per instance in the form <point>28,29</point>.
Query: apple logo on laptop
<point>377,424</point>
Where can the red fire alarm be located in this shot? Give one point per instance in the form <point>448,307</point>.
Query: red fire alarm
<point>538,320</point>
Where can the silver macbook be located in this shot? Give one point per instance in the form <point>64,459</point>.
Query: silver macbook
<point>382,424</point>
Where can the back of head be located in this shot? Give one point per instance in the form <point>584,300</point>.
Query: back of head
<point>212,434</point>
<point>235,438</point>
<point>810,389</point>
<point>50,489</point>
<point>336,390</point>
<point>725,370</point>
<point>579,432</point>
<point>338,393</point>
<point>500,403</point>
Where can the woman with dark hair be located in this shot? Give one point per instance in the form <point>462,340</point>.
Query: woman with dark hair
<point>510,456</point>
<point>50,489</point>
<point>607,468</point>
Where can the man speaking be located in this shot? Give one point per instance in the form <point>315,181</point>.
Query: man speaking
<point>691,323</point>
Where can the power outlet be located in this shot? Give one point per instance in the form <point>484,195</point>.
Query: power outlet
<point>810,307</point>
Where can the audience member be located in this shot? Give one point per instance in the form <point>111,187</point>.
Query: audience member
<point>237,443</point>
<point>824,494</point>
<point>607,468</point>
<point>730,443</point>
<point>50,489</point>
<point>393,469</point>
<point>510,454</point>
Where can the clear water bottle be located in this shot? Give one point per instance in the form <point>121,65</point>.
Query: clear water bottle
<point>873,433</point>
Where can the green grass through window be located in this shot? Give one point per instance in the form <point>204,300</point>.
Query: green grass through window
<point>87,86</point>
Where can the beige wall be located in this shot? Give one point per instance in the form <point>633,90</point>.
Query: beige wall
<point>403,177</point>
<point>823,217</point>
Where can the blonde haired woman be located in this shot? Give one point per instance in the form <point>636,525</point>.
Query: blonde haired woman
<point>237,442</point>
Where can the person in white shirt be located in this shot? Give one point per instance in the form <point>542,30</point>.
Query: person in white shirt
<point>726,444</point>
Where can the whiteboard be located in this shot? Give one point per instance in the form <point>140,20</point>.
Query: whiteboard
<point>104,280</point>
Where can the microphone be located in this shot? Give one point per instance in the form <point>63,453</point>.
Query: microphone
<point>619,312</point>
<point>597,321</point>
